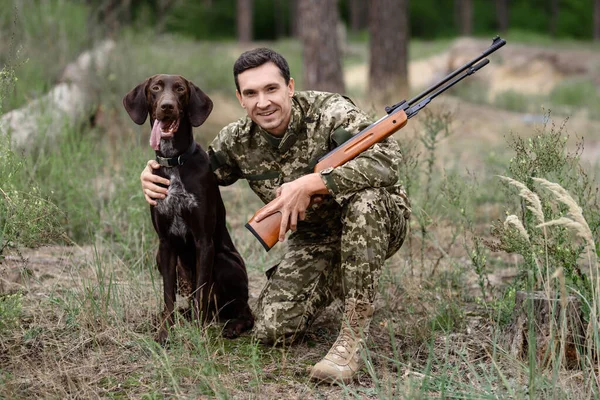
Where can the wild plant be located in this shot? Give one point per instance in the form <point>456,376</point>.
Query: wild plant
<point>545,156</point>
<point>436,127</point>
<point>27,218</point>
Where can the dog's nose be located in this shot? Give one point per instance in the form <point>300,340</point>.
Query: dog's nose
<point>167,106</point>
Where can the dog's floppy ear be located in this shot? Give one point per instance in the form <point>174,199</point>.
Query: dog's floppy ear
<point>200,105</point>
<point>135,103</point>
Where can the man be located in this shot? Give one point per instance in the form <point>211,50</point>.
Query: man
<point>346,221</point>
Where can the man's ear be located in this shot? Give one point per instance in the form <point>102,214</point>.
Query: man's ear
<point>200,105</point>
<point>239,97</point>
<point>291,86</point>
<point>135,103</point>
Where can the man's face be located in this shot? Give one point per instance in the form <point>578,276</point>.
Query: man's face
<point>266,98</point>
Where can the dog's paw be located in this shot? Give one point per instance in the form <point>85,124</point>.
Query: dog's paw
<point>231,332</point>
<point>235,328</point>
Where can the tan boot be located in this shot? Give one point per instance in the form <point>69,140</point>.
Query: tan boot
<point>344,359</point>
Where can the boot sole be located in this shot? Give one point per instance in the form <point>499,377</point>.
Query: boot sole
<point>325,378</point>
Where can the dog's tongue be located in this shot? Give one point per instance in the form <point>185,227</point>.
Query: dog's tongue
<point>155,135</point>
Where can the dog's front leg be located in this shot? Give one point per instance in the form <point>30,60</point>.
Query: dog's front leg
<point>205,254</point>
<point>167,265</point>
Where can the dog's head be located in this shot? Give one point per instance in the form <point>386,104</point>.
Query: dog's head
<point>167,98</point>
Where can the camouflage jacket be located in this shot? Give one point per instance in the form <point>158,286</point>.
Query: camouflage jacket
<point>320,121</point>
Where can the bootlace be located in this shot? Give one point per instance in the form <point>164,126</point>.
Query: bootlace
<point>350,331</point>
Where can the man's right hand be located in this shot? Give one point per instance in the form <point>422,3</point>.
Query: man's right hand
<point>150,182</point>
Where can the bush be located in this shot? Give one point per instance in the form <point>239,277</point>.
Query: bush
<point>539,159</point>
<point>26,217</point>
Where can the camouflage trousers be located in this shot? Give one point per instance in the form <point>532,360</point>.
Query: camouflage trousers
<point>373,226</point>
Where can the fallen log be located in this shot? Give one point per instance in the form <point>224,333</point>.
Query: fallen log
<point>70,102</point>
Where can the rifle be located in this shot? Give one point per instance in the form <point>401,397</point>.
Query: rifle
<point>267,230</point>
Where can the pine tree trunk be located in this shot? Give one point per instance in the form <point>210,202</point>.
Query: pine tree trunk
<point>597,20</point>
<point>464,16</point>
<point>244,21</point>
<point>321,50</point>
<point>279,10</point>
<point>554,10</point>
<point>359,11</point>
<point>294,18</point>
<point>502,15</point>
<point>388,65</point>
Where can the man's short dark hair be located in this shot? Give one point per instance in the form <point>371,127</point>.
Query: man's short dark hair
<point>256,58</point>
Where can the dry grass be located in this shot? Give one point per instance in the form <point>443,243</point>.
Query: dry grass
<point>87,323</point>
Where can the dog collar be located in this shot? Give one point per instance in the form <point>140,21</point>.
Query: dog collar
<point>179,160</point>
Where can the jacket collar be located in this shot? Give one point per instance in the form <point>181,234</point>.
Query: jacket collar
<point>295,128</point>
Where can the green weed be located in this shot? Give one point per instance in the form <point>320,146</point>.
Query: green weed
<point>11,306</point>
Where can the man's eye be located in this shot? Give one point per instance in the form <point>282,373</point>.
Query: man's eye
<point>271,89</point>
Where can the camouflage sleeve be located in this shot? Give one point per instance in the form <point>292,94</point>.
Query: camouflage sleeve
<point>222,163</point>
<point>375,167</point>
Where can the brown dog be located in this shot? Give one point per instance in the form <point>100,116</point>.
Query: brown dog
<point>196,252</point>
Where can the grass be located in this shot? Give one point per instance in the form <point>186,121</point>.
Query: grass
<point>78,320</point>
<point>45,36</point>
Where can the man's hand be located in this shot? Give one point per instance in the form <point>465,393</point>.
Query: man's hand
<point>293,199</point>
<point>149,183</point>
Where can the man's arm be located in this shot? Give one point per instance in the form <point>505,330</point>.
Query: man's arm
<point>221,158</point>
<point>375,167</point>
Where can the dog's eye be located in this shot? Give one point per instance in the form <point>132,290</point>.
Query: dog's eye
<point>155,88</point>
<point>181,89</point>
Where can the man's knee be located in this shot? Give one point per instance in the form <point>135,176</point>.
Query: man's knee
<point>378,214</point>
<point>276,326</point>
<point>371,203</point>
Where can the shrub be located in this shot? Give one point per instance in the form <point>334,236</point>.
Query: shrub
<point>26,217</point>
<point>538,160</point>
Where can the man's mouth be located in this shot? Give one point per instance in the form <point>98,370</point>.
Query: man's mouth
<point>266,113</point>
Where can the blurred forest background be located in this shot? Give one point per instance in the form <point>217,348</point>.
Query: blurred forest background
<point>79,289</point>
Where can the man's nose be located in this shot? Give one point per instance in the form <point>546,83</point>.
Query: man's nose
<point>263,100</point>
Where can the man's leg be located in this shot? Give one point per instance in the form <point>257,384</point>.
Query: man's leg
<point>373,228</point>
<point>296,291</point>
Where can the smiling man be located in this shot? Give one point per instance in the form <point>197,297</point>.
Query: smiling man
<point>346,221</point>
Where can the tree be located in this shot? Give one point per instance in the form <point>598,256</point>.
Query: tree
<point>359,12</point>
<point>280,18</point>
<point>502,15</point>
<point>554,17</point>
<point>318,21</point>
<point>244,21</point>
<point>388,65</point>
<point>464,16</point>
<point>597,20</point>
<point>295,13</point>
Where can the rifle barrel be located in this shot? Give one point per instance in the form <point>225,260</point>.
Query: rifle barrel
<point>496,44</point>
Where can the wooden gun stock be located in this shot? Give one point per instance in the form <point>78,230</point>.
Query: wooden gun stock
<point>267,230</point>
